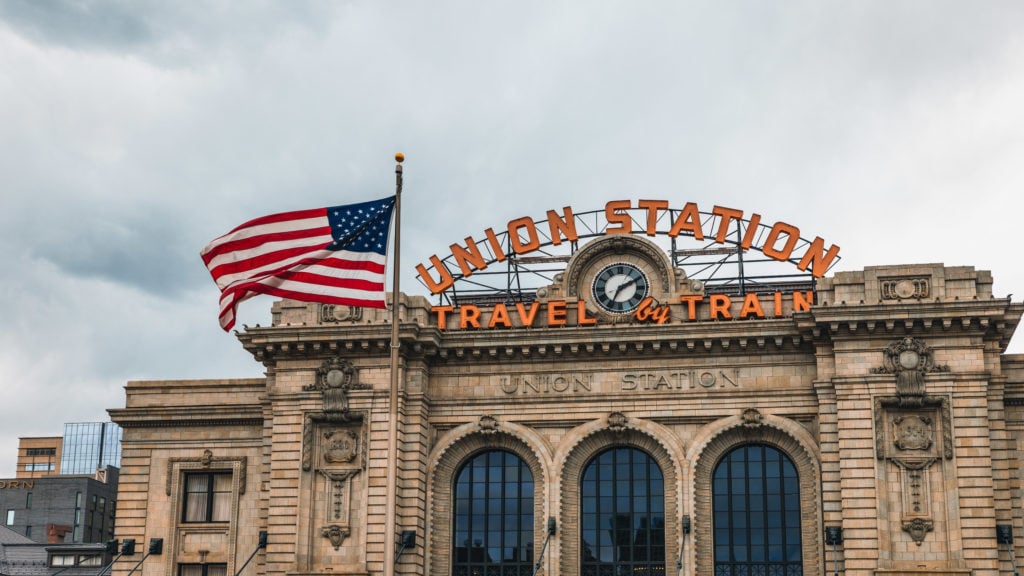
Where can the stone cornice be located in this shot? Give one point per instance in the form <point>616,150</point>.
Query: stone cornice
<point>993,318</point>
<point>162,417</point>
<point>620,346</point>
<point>433,345</point>
<point>269,344</point>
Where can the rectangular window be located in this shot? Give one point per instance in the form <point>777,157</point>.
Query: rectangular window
<point>28,501</point>
<point>207,497</point>
<point>10,517</point>
<point>28,531</point>
<point>41,452</point>
<point>202,569</point>
<point>92,560</point>
<point>62,560</point>
<point>39,467</point>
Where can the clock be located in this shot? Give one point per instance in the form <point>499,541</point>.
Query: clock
<point>619,287</point>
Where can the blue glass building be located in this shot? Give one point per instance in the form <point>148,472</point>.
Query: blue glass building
<point>89,446</point>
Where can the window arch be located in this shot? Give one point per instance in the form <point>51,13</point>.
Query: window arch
<point>493,516</point>
<point>756,505</point>
<point>622,513</point>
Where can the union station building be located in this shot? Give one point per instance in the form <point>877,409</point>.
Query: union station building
<point>610,403</point>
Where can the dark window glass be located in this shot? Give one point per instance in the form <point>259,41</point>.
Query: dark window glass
<point>202,569</point>
<point>756,518</point>
<point>622,518</point>
<point>492,528</point>
<point>207,497</point>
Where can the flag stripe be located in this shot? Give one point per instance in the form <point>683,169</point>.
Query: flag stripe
<point>245,242</point>
<point>340,260</point>
<point>282,256</point>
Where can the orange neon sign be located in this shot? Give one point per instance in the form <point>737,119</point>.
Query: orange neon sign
<point>780,243</point>
<point>561,313</point>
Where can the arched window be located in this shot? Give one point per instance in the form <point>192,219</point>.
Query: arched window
<point>756,502</point>
<point>622,513</point>
<point>493,520</point>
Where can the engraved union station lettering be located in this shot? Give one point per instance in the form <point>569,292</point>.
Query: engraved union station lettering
<point>680,379</point>
<point>546,383</point>
<point>683,379</point>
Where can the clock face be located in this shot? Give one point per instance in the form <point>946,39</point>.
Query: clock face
<point>619,288</point>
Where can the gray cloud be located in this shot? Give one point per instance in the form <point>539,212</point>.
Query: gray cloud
<point>136,132</point>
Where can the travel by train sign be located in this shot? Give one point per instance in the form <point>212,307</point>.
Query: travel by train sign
<point>620,288</point>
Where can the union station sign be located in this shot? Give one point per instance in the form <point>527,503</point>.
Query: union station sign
<point>621,280</point>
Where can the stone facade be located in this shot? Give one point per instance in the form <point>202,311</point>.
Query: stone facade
<point>890,396</point>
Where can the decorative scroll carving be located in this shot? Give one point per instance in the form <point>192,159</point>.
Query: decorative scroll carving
<point>909,359</point>
<point>617,422</point>
<point>904,288</point>
<point>915,486</point>
<point>339,313</point>
<point>918,528</point>
<point>752,418</point>
<point>336,534</point>
<point>334,379</point>
<point>488,424</point>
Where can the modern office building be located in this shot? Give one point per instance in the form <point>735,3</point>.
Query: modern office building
<point>90,446</point>
<point>633,412</point>
<point>38,457</point>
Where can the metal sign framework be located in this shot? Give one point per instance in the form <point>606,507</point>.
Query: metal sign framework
<point>724,268</point>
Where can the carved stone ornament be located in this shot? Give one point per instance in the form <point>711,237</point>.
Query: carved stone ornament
<point>334,379</point>
<point>918,528</point>
<point>909,359</point>
<point>336,534</point>
<point>934,412</point>
<point>903,288</point>
<point>912,432</point>
<point>752,418</point>
<point>340,446</point>
<point>206,458</point>
<point>488,424</point>
<point>339,313</point>
<point>325,426</point>
<point>617,422</point>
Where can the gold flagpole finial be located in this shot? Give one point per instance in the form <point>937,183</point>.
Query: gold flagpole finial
<point>399,157</point>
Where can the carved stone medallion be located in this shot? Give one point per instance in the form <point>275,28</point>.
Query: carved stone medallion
<point>340,446</point>
<point>913,432</point>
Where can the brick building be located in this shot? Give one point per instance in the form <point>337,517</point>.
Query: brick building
<point>38,456</point>
<point>625,418</point>
<point>61,508</point>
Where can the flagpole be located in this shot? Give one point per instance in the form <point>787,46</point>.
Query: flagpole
<point>390,523</point>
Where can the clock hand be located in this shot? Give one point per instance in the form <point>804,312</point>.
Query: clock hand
<point>629,282</point>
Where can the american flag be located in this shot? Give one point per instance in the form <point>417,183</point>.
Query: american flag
<point>333,255</point>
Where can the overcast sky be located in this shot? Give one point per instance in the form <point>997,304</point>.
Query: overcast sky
<point>132,133</point>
